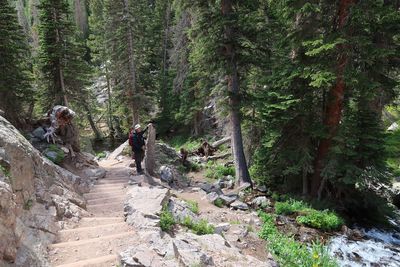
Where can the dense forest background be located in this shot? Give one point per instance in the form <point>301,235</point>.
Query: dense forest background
<point>307,89</point>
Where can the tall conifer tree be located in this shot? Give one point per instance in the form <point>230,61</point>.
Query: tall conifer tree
<point>15,86</point>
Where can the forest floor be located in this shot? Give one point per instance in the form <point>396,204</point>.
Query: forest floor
<point>98,238</point>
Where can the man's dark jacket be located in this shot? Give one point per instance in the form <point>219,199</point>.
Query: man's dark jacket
<point>138,141</point>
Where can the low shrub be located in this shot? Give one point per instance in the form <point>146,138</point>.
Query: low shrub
<point>288,252</point>
<point>200,228</point>
<point>101,155</point>
<point>167,221</point>
<point>193,206</point>
<point>219,203</point>
<point>289,207</point>
<point>203,228</point>
<point>186,142</point>
<point>58,156</point>
<point>324,220</point>
<point>28,204</point>
<point>217,171</point>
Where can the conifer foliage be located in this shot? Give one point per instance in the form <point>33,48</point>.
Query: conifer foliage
<point>15,75</point>
<point>303,85</point>
<point>63,71</point>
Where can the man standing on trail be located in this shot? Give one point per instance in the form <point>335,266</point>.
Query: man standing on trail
<point>138,146</point>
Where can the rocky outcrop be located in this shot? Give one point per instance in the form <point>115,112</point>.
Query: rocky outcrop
<point>34,195</point>
<point>156,248</point>
<point>144,204</point>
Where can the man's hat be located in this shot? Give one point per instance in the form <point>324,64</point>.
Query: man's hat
<point>137,126</point>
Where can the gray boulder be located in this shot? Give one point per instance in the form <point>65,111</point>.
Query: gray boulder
<point>222,227</point>
<point>188,254</point>
<point>262,188</point>
<point>260,202</point>
<point>208,188</point>
<point>229,199</point>
<point>166,174</point>
<point>51,155</point>
<point>39,133</point>
<point>239,205</point>
<point>180,210</point>
<point>212,197</point>
<point>143,206</point>
<point>139,256</point>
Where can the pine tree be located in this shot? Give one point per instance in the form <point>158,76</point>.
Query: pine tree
<point>323,99</point>
<point>64,72</point>
<point>224,48</point>
<point>15,88</point>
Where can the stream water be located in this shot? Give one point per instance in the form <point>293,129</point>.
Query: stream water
<point>378,248</point>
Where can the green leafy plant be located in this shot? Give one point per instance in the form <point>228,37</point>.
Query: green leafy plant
<point>200,228</point>
<point>324,220</point>
<point>219,203</point>
<point>167,221</point>
<point>193,206</point>
<point>289,252</point>
<point>5,171</point>
<point>101,155</point>
<point>59,154</point>
<point>217,171</point>
<point>289,207</point>
<point>28,204</point>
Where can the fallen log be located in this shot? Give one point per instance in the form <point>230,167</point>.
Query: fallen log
<point>222,141</point>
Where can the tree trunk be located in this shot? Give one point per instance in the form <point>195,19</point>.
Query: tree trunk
<point>242,173</point>
<point>109,106</point>
<point>333,111</point>
<point>63,91</point>
<point>91,122</point>
<point>60,68</point>
<point>131,66</point>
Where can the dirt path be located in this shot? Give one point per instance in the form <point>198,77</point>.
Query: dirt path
<point>97,238</point>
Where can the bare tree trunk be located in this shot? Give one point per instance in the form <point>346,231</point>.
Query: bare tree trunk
<point>64,93</point>
<point>91,122</point>
<point>60,68</point>
<point>109,106</point>
<point>333,112</point>
<point>131,64</point>
<point>242,173</point>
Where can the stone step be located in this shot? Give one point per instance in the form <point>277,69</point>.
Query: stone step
<point>104,194</point>
<point>102,189</point>
<point>112,182</point>
<point>75,251</point>
<point>97,187</point>
<point>104,261</point>
<point>95,221</point>
<point>97,231</point>
<point>105,205</point>
<point>95,201</point>
<point>113,209</point>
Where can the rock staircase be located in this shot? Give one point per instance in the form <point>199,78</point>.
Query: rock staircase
<point>97,239</point>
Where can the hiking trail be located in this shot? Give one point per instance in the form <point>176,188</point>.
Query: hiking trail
<point>97,238</point>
